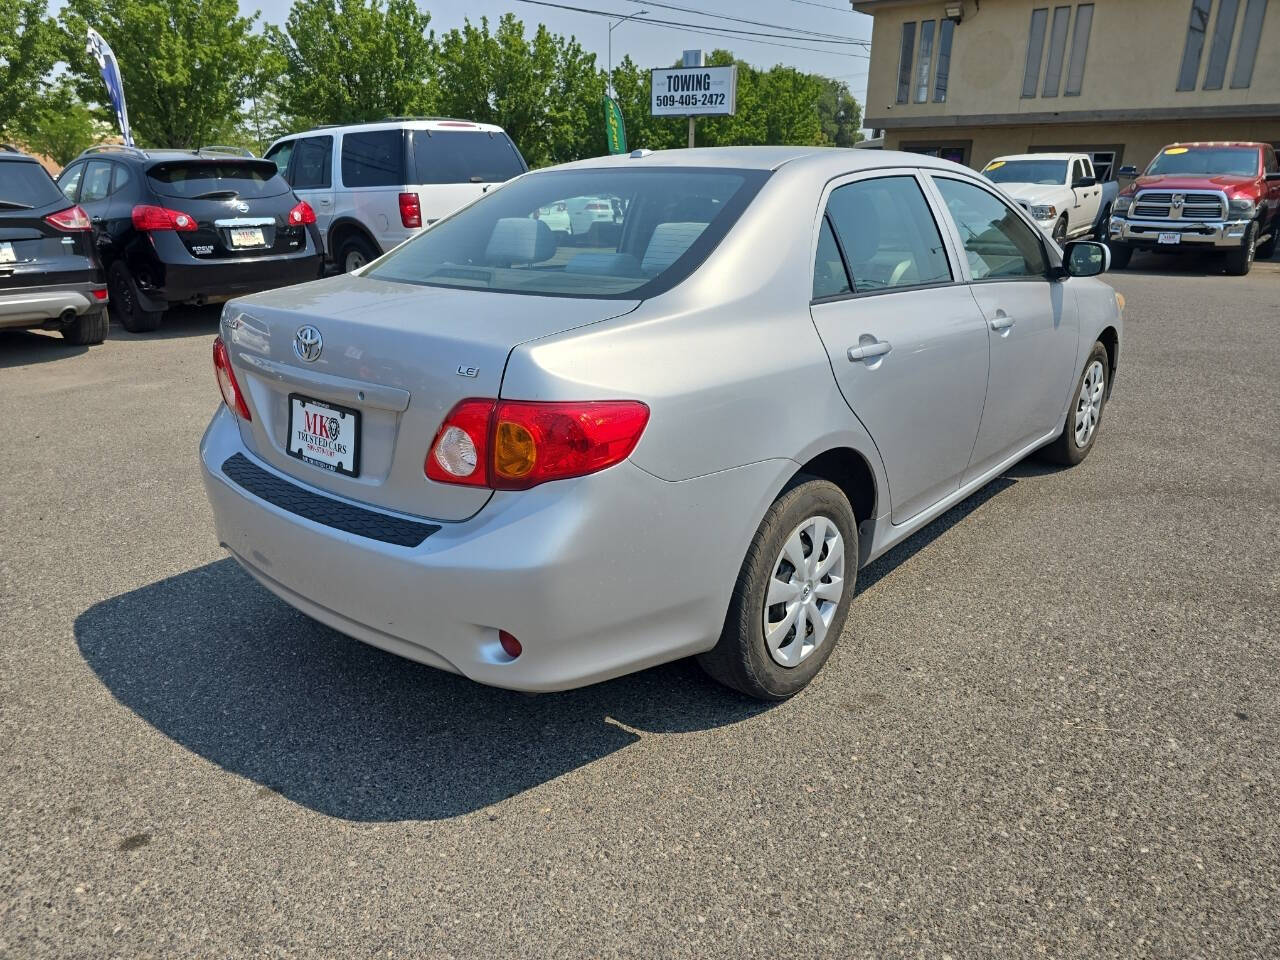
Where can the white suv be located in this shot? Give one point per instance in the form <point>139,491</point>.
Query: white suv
<point>373,185</point>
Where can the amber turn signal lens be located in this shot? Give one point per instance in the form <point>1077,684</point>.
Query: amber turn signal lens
<point>514,452</point>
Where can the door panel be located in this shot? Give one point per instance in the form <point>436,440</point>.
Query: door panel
<point>908,346</point>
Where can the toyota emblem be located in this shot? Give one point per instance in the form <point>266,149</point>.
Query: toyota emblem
<point>242,207</point>
<point>307,343</point>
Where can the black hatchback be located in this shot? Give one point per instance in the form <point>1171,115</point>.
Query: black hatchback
<point>190,227</point>
<point>50,276</point>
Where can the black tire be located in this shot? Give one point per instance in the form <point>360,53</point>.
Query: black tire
<point>88,328</point>
<point>1060,231</point>
<point>1240,262</point>
<point>1066,450</point>
<point>1121,254</point>
<point>354,251</point>
<point>1267,249</point>
<point>741,659</point>
<point>125,306</point>
<point>1102,231</point>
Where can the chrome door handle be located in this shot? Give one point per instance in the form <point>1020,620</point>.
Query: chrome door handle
<point>1002,322</point>
<point>866,351</point>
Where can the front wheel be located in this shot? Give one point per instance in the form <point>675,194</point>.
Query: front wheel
<point>1080,429</point>
<point>1240,262</point>
<point>1060,231</point>
<point>792,595</point>
<point>1103,229</point>
<point>1121,254</point>
<point>1267,249</point>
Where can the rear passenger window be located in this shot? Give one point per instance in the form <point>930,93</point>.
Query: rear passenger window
<point>829,277</point>
<point>373,159</point>
<point>97,182</point>
<point>119,178</point>
<point>311,171</point>
<point>997,242</point>
<point>888,235</point>
<point>279,155</point>
<point>70,180</point>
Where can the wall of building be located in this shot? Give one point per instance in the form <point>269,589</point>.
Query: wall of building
<point>1134,54</point>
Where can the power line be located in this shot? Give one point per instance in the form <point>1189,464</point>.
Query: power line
<point>824,6</point>
<point>825,37</point>
<point>707,30</point>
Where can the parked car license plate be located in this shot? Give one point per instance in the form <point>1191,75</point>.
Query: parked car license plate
<point>6,253</point>
<point>324,434</point>
<point>247,237</point>
<point>1169,238</point>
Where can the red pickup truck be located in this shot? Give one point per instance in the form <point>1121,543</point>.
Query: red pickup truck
<point>1201,196</point>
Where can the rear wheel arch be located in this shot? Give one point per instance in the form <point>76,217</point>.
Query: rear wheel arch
<point>1110,339</point>
<point>849,470</point>
<point>341,230</point>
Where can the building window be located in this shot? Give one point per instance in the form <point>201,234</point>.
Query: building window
<point>1057,50</point>
<point>957,151</point>
<point>1079,47</point>
<point>1035,51</point>
<point>926,60</point>
<point>1196,28</point>
<point>1224,29</point>
<point>1247,52</point>
<point>904,61</point>
<point>945,31</point>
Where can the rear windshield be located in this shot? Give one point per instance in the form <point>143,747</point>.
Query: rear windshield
<point>1229,161</point>
<point>612,233</point>
<point>216,179</point>
<point>25,184</point>
<point>1027,171</point>
<point>452,156</point>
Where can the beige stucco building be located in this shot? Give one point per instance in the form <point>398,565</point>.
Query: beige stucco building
<point>974,79</point>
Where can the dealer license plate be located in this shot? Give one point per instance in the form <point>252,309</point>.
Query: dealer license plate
<point>6,253</point>
<point>324,434</point>
<point>1174,238</point>
<point>247,237</point>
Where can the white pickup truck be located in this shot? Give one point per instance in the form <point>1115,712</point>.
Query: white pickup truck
<point>1059,190</point>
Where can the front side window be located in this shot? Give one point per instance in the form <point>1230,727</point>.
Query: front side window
<point>97,182</point>
<point>829,276</point>
<point>69,182</point>
<point>311,169</point>
<point>999,245</point>
<point>1228,161</point>
<point>888,235</point>
<point>373,159</point>
<point>604,233</point>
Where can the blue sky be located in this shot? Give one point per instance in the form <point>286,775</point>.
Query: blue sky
<point>652,46</point>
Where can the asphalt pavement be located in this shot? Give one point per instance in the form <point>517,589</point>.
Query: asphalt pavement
<point>1050,730</point>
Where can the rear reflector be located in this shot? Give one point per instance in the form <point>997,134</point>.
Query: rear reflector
<point>410,210</point>
<point>231,394</point>
<point>148,217</point>
<point>515,445</point>
<point>70,220</point>
<point>510,645</point>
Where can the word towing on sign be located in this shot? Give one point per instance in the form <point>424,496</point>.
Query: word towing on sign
<point>694,91</point>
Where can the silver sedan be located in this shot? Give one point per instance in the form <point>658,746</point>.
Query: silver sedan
<point>542,464</point>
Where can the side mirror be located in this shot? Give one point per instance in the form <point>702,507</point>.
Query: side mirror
<point>1084,182</point>
<point>1274,176</point>
<point>1127,171</point>
<point>1085,258</point>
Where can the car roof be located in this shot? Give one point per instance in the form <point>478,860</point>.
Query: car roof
<point>446,124</point>
<point>1191,144</point>
<point>1040,156</point>
<point>822,161</point>
<point>8,153</point>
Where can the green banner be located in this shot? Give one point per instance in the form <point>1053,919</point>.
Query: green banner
<point>614,131</point>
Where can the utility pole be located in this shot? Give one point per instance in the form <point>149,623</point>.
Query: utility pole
<point>612,24</point>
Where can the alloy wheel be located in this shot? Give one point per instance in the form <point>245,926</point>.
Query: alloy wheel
<point>804,591</point>
<point>1089,403</point>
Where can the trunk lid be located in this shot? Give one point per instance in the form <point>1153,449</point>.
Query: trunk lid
<point>34,253</point>
<point>398,354</point>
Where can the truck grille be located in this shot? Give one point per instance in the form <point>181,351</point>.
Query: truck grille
<point>1179,205</point>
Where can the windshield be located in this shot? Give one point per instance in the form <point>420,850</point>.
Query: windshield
<point>214,180</point>
<point>1027,171</point>
<point>464,157</point>
<point>1230,161</point>
<point>24,184</point>
<point>613,232</point>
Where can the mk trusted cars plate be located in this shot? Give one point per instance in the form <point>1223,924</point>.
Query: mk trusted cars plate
<point>324,434</point>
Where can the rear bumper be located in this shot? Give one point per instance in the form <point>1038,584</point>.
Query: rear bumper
<point>35,305</point>
<point>179,277</point>
<point>1198,235</point>
<point>596,577</point>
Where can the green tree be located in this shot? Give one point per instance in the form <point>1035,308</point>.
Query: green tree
<point>187,65</point>
<point>840,113</point>
<point>28,51</point>
<point>347,61</point>
<point>59,125</point>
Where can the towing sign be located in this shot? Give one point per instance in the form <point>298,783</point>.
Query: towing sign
<point>693,91</point>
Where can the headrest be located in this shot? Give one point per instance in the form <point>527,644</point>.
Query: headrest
<point>861,233</point>
<point>519,240</point>
<point>668,244</point>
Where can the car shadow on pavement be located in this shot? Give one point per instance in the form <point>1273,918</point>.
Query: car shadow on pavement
<point>218,664</point>
<point>178,321</point>
<point>20,348</point>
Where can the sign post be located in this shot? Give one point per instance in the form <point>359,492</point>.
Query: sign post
<point>693,91</point>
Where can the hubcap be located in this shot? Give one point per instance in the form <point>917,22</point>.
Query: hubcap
<point>804,591</point>
<point>1089,403</point>
<point>355,260</point>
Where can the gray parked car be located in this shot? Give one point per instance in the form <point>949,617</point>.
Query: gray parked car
<point>542,464</point>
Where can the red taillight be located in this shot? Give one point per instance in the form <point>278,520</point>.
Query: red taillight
<point>148,217</point>
<point>599,206</point>
<point>302,214</point>
<point>71,220</point>
<point>100,294</point>
<point>231,394</point>
<point>410,210</point>
<point>510,645</point>
<point>515,445</point>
